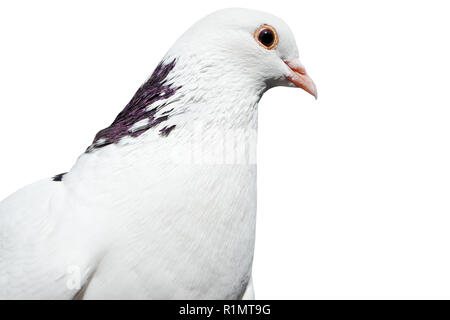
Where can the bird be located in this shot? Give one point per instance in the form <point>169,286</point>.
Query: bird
<point>162,203</point>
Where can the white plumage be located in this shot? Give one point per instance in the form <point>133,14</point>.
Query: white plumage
<point>163,203</point>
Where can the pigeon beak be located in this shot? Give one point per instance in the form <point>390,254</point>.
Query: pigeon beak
<point>300,78</point>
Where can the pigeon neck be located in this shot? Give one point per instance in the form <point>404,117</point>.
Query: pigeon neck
<point>184,93</point>
<point>215,93</point>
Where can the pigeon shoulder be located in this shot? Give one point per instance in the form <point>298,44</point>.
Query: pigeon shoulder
<point>40,247</point>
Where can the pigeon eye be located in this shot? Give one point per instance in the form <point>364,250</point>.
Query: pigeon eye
<point>266,36</point>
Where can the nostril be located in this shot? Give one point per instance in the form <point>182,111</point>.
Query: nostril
<point>296,66</point>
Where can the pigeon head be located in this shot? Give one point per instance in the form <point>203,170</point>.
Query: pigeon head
<point>215,72</point>
<point>245,46</point>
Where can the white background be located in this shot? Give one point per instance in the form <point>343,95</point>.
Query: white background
<point>353,188</point>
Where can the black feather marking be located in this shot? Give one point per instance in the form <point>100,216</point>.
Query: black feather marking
<point>59,177</point>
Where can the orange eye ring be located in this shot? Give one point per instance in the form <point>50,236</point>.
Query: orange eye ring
<point>266,36</point>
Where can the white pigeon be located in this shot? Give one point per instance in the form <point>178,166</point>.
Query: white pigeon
<point>162,205</point>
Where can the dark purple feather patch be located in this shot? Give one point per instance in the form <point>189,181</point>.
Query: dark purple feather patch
<point>166,130</point>
<point>154,89</point>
